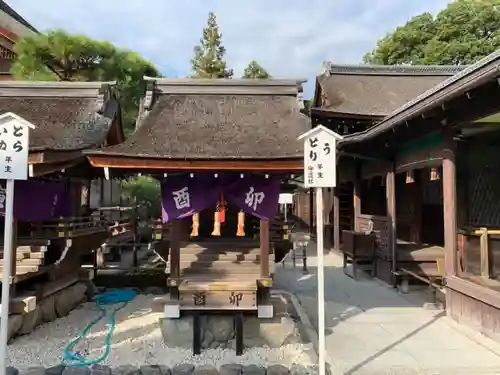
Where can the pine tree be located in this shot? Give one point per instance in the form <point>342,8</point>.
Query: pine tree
<point>254,70</point>
<point>208,60</point>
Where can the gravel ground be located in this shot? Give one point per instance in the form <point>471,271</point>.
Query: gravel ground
<point>137,340</point>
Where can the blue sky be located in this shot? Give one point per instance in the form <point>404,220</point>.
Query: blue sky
<point>291,38</point>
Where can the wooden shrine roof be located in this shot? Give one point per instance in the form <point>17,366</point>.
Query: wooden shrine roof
<point>68,116</point>
<point>457,89</point>
<point>374,90</point>
<point>220,119</point>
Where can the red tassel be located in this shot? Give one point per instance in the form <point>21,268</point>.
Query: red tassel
<point>222,208</point>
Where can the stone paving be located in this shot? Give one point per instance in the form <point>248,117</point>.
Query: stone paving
<point>372,329</point>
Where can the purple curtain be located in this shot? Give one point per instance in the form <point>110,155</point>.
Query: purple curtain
<point>36,200</point>
<point>183,196</point>
<point>63,206</point>
<point>255,195</point>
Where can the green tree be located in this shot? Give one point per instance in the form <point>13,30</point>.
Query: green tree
<point>145,192</point>
<point>254,70</point>
<point>464,32</point>
<point>208,60</point>
<point>58,55</point>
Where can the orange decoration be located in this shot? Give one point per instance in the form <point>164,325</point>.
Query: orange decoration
<point>216,231</point>
<point>241,224</point>
<point>435,174</point>
<point>410,177</point>
<point>196,225</point>
<point>221,208</point>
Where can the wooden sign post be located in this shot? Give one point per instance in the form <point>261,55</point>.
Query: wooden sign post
<point>14,152</point>
<point>320,171</point>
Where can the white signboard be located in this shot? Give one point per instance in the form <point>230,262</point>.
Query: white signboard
<point>320,157</point>
<point>14,147</point>
<point>14,143</point>
<point>285,198</point>
<point>320,169</point>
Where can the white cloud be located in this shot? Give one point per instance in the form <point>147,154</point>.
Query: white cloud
<point>289,38</point>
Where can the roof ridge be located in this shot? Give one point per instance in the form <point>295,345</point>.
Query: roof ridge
<point>53,88</point>
<point>223,86</point>
<point>362,69</point>
<point>6,8</point>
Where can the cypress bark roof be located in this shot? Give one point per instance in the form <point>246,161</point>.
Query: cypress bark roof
<point>68,116</point>
<point>481,73</point>
<point>374,90</point>
<point>217,119</point>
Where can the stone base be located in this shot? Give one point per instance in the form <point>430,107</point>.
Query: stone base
<point>218,329</point>
<point>50,308</point>
<point>183,369</point>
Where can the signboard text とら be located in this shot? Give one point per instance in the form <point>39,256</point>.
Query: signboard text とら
<point>14,147</point>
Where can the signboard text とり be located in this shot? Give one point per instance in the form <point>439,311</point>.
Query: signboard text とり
<point>320,154</point>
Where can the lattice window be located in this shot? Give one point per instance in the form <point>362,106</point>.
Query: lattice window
<point>481,169</point>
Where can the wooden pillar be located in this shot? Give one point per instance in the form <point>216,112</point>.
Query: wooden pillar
<point>175,249</point>
<point>449,204</point>
<point>336,219</point>
<point>390,189</point>
<point>264,248</point>
<point>357,194</point>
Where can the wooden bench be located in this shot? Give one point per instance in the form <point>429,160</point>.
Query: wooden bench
<point>358,247</point>
<point>433,277</point>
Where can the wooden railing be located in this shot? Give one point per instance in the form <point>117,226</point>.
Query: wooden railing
<point>66,227</point>
<point>485,236</point>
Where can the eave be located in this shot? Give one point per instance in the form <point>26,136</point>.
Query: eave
<point>124,162</point>
<point>344,115</point>
<point>41,169</point>
<point>50,156</point>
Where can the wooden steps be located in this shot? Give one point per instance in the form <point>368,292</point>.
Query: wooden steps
<point>30,256</point>
<point>224,284</point>
<point>223,256</point>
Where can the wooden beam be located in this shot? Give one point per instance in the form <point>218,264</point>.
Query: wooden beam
<point>449,203</point>
<point>479,292</point>
<point>193,165</point>
<point>47,168</point>
<point>22,304</point>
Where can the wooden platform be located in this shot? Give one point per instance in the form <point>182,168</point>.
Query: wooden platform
<point>220,274</point>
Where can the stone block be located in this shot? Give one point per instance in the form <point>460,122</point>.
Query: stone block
<point>277,370</point>
<point>205,370</point>
<point>183,369</point>
<point>177,332</point>
<point>15,324</point>
<point>231,369</point>
<point>76,371</point>
<point>254,370</point>
<point>30,321</point>
<point>48,309</point>
<point>125,370</point>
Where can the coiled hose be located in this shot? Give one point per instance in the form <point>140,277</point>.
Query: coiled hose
<point>103,301</point>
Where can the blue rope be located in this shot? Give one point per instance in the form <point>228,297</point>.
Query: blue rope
<point>117,297</point>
